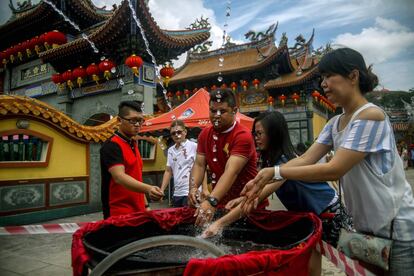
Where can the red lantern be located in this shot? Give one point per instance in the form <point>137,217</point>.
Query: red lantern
<point>186,93</point>
<point>256,83</point>
<point>213,87</point>
<point>11,52</point>
<point>295,98</point>
<point>35,44</point>
<point>270,100</point>
<point>19,49</point>
<point>42,41</point>
<point>245,84</point>
<point>57,79</point>
<point>93,71</point>
<point>316,95</point>
<point>54,38</point>
<point>68,77</point>
<point>282,99</point>
<point>178,94</point>
<point>27,48</point>
<point>233,86</point>
<point>166,73</point>
<point>134,62</point>
<point>105,66</point>
<point>4,56</point>
<point>170,95</point>
<point>79,74</point>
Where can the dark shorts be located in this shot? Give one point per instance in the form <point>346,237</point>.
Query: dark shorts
<point>180,201</point>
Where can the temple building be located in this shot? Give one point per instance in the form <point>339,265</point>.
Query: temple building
<point>263,76</point>
<point>60,82</point>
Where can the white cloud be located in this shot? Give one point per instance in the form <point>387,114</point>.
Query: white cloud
<point>396,75</point>
<point>385,40</point>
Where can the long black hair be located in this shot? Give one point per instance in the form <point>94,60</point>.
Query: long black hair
<point>278,139</point>
<point>342,61</point>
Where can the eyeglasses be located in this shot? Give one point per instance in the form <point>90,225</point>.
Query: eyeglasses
<point>134,122</point>
<point>258,134</point>
<point>178,132</point>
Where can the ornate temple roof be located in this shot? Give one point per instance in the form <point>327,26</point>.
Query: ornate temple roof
<point>237,58</point>
<point>292,78</point>
<point>118,24</point>
<point>296,64</point>
<point>29,20</point>
<point>18,106</point>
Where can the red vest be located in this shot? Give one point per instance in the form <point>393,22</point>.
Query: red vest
<point>121,200</point>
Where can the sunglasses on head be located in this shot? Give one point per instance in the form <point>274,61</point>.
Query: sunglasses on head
<point>178,132</point>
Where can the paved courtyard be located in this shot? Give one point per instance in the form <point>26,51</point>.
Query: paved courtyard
<point>49,254</point>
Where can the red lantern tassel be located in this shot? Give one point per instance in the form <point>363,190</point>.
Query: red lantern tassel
<point>70,84</point>
<point>95,78</point>
<point>107,74</point>
<point>79,80</point>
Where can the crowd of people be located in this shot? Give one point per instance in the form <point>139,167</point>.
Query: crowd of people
<point>366,162</point>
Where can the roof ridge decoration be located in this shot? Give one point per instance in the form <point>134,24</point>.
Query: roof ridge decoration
<point>266,41</point>
<point>15,106</point>
<point>22,7</point>
<point>255,36</point>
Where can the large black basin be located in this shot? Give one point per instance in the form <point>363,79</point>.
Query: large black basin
<point>239,238</point>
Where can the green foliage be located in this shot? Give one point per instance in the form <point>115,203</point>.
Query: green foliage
<point>391,99</point>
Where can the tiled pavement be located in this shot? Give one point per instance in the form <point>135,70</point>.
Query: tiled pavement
<point>49,254</point>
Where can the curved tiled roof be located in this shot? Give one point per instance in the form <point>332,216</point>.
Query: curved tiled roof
<point>18,106</point>
<point>234,62</point>
<point>291,78</point>
<point>105,33</point>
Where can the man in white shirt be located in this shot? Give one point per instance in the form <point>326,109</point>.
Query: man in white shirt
<point>180,161</point>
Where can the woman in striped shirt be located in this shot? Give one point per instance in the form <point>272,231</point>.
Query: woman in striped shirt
<point>366,160</point>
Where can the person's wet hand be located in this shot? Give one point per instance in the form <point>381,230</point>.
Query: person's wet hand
<point>234,202</point>
<point>248,207</point>
<point>155,193</point>
<point>254,187</point>
<point>204,213</point>
<point>192,197</point>
<point>212,230</point>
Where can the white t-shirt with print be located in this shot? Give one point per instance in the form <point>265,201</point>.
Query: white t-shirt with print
<point>181,161</point>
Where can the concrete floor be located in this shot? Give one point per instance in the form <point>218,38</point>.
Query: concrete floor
<point>49,254</point>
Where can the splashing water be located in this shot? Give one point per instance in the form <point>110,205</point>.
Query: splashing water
<point>130,92</point>
<point>143,107</point>
<point>216,123</point>
<point>84,36</point>
<point>218,113</point>
<point>141,29</point>
<point>173,117</point>
<point>121,82</point>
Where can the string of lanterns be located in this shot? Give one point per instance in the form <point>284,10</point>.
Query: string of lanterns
<point>36,44</point>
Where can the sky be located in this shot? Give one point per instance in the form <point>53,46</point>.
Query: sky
<point>382,30</point>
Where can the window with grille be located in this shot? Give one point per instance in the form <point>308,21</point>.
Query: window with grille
<point>20,148</point>
<point>147,149</point>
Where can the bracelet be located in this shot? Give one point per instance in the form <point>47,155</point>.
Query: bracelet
<point>277,175</point>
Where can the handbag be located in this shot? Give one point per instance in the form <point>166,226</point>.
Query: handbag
<point>365,247</point>
<point>370,249</point>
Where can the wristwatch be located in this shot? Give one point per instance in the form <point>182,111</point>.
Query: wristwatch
<point>213,201</point>
<point>277,175</point>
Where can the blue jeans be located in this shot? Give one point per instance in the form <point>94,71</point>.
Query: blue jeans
<point>402,258</point>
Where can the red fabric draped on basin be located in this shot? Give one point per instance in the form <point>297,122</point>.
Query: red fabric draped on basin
<point>268,262</point>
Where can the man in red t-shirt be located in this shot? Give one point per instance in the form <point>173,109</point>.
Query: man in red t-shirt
<point>228,149</point>
<point>122,190</point>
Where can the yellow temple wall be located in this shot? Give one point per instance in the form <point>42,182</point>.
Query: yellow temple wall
<point>318,122</point>
<point>158,164</point>
<point>68,158</point>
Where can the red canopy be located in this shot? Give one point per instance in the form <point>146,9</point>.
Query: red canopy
<point>194,112</point>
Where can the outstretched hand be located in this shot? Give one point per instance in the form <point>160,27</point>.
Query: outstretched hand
<point>212,230</point>
<point>254,187</point>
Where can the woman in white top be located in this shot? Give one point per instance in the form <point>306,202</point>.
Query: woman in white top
<point>366,160</point>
